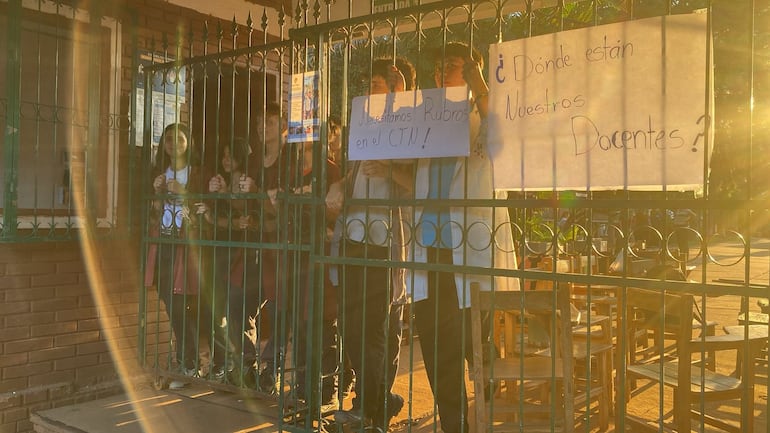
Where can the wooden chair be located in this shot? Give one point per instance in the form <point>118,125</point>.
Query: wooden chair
<point>756,339</point>
<point>699,322</point>
<point>551,378</point>
<point>686,374</point>
<point>592,350</point>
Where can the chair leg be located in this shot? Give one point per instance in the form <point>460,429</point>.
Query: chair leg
<point>711,362</point>
<point>605,400</point>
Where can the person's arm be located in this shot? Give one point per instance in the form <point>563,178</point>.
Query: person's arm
<point>335,195</point>
<point>334,175</point>
<point>475,80</point>
<point>221,221</point>
<point>248,185</point>
<point>401,174</point>
<point>174,187</point>
<point>159,186</point>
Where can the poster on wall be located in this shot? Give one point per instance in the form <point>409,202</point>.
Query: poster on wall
<point>304,124</point>
<point>167,96</point>
<point>623,105</point>
<point>416,124</point>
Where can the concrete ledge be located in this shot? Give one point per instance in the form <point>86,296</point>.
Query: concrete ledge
<point>195,409</point>
<point>46,425</point>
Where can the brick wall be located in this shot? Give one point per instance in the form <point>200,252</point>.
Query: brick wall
<point>66,323</point>
<point>53,335</point>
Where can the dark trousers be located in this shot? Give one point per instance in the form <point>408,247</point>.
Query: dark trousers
<point>181,309</point>
<point>210,316</point>
<point>297,324</point>
<point>394,345</point>
<point>365,300</point>
<point>242,306</point>
<point>280,328</point>
<point>216,303</point>
<point>328,361</point>
<point>280,309</point>
<point>242,303</point>
<point>439,322</point>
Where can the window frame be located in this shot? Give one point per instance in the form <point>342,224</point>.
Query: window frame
<point>54,218</point>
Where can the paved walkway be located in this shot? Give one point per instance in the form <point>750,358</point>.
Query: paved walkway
<point>200,409</point>
<point>196,409</point>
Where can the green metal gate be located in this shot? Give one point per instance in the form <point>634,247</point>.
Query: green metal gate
<point>256,308</point>
<point>274,266</point>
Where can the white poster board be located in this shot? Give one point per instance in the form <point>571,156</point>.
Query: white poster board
<point>416,124</point>
<point>608,107</point>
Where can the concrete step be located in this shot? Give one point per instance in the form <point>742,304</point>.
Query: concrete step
<point>194,409</point>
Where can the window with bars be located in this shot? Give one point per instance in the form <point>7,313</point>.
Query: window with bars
<point>59,96</point>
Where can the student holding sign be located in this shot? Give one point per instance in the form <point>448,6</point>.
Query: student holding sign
<point>372,298</point>
<point>457,235</point>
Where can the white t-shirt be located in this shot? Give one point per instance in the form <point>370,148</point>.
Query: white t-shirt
<point>370,224</point>
<point>172,217</point>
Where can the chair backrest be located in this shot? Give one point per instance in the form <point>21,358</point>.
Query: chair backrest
<point>667,272</point>
<point>551,305</point>
<point>689,375</point>
<point>668,311</point>
<point>671,313</point>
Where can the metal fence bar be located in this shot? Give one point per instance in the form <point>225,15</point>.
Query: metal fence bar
<point>13,121</point>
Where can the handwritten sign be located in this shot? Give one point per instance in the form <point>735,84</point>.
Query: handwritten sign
<point>615,106</point>
<point>419,124</point>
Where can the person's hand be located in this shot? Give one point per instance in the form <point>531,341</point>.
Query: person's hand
<point>174,187</point>
<point>184,211</point>
<point>159,183</point>
<point>244,222</point>
<point>375,168</point>
<point>395,79</point>
<point>202,208</point>
<point>218,184</point>
<point>247,184</point>
<point>335,197</point>
<point>304,189</point>
<point>474,77</point>
<point>273,195</point>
